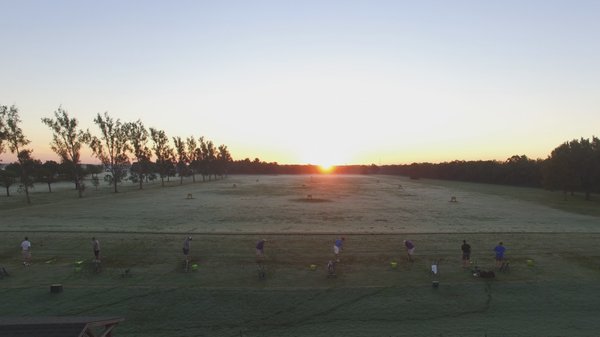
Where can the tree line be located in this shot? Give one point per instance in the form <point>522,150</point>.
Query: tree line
<point>125,149</point>
<point>573,166</point>
<point>256,166</point>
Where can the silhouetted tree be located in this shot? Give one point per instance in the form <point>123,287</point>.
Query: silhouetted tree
<point>596,163</point>
<point>181,158</point>
<point>67,140</point>
<point>208,158</point>
<point>3,115</point>
<point>111,148</point>
<point>194,155</point>
<point>561,168</point>
<point>27,170</point>
<point>521,171</point>
<point>223,160</point>
<point>16,141</point>
<point>163,153</point>
<point>8,177</point>
<point>202,164</point>
<point>48,173</point>
<point>138,137</point>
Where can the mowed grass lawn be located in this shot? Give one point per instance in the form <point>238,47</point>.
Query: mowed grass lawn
<point>143,231</point>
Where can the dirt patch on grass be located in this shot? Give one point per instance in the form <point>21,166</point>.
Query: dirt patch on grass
<point>311,200</point>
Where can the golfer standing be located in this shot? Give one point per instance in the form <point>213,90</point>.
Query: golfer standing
<point>466,253</point>
<point>499,250</point>
<point>26,251</point>
<point>186,248</point>
<point>96,248</point>
<point>337,248</point>
<point>410,249</point>
<point>260,249</point>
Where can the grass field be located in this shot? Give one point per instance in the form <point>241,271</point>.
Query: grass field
<point>143,231</point>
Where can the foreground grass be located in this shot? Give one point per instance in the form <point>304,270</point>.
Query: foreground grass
<point>224,297</point>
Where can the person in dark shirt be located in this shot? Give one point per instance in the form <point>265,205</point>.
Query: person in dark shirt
<point>96,248</point>
<point>260,249</point>
<point>466,254</point>
<point>410,249</point>
<point>186,248</point>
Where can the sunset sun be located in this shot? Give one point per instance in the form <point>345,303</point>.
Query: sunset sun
<point>326,168</point>
<point>325,162</point>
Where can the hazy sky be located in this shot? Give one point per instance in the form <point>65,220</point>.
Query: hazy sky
<point>342,82</point>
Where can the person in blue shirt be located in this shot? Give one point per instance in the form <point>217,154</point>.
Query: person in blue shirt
<point>499,250</point>
<point>337,248</point>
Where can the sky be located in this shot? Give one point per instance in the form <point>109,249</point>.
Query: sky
<point>313,82</point>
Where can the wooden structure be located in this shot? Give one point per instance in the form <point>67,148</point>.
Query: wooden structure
<point>61,326</point>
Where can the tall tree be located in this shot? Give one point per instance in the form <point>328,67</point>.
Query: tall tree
<point>208,157</point>
<point>29,167</point>
<point>585,168</point>
<point>16,140</point>
<point>3,112</point>
<point>138,137</point>
<point>560,170</point>
<point>596,163</point>
<point>202,164</point>
<point>194,155</point>
<point>67,140</point>
<point>112,147</point>
<point>223,159</point>
<point>182,158</point>
<point>521,171</point>
<point>162,151</point>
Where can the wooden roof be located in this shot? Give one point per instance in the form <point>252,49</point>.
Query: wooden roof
<point>58,326</point>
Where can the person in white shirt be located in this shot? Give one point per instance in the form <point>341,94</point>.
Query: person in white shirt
<point>26,251</point>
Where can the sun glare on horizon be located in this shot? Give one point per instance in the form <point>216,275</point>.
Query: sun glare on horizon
<point>326,168</point>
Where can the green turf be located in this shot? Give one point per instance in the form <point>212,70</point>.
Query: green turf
<point>142,231</point>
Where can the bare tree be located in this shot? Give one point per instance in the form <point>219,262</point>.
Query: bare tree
<point>67,140</point>
<point>112,147</point>
<point>138,137</point>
